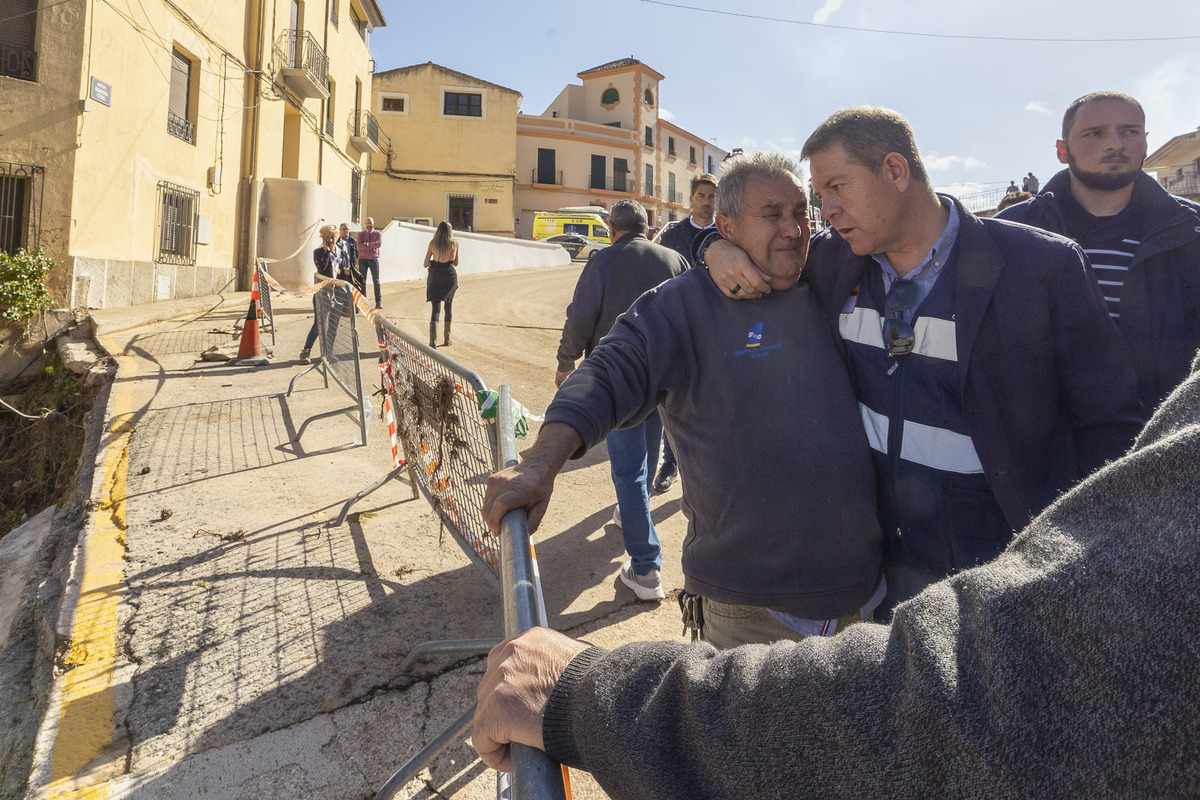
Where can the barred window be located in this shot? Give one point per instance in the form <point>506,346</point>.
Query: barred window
<point>177,224</point>
<point>179,107</point>
<point>463,104</point>
<point>20,205</point>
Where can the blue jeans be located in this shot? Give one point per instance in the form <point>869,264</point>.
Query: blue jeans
<point>371,264</point>
<point>668,456</point>
<point>311,339</point>
<point>632,458</point>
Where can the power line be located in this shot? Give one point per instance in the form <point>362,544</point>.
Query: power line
<point>1034,39</point>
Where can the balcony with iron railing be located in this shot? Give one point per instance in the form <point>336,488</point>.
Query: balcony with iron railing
<point>617,182</point>
<point>302,63</point>
<point>547,177</point>
<point>1186,185</point>
<point>17,63</point>
<point>181,128</point>
<point>364,132</point>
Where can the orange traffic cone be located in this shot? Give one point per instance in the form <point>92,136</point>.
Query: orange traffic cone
<point>250,346</point>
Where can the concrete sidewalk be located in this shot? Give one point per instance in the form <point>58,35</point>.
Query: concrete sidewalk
<point>226,640</point>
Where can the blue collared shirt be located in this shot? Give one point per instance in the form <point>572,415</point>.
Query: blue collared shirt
<point>927,274</point>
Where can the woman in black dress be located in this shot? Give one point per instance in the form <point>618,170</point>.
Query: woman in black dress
<point>442,282</point>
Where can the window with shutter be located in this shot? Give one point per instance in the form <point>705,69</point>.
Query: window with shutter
<point>18,56</point>
<point>179,123</point>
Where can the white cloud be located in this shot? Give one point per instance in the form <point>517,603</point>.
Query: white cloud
<point>785,146</point>
<point>664,114</point>
<point>826,11</point>
<point>1038,106</point>
<point>934,162</point>
<point>1170,95</point>
<point>961,189</point>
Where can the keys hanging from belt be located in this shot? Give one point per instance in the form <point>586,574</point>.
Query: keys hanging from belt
<point>692,608</point>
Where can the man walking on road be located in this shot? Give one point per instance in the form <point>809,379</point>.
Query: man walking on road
<point>988,374</point>
<point>782,539</point>
<point>679,237</point>
<point>1144,244</point>
<point>607,287</point>
<point>369,240</point>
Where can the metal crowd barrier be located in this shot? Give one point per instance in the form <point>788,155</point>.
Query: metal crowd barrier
<point>335,310</point>
<point>534,775</point>
<point>266,315</point>
<point>448,447</point>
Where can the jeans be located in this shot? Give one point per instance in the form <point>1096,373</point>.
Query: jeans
<point>312,333</point>
<point>632,458</point>
<point>372,264</point>
<point>668,456</point>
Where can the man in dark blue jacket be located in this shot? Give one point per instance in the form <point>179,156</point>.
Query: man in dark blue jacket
<point>988,374</point>
<point>1144,244</point>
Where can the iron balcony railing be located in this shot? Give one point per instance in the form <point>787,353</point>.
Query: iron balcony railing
<point>180,128</point>
<point>617,182</point>
<point>300,50</point>
<point>17,63</point>
<point>364,124</point>
<point>1182,184</point>
<point>329,127</point>
<point>982,201</point>
<point>547,176</point>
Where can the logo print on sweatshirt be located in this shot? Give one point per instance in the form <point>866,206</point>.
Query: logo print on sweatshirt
<point>754,339</point>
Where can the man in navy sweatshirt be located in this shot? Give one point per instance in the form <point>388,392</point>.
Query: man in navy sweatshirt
<point>782,538</point>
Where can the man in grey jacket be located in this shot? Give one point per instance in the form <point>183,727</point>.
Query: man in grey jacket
<point>608,285</point>
<point>1064,668</point>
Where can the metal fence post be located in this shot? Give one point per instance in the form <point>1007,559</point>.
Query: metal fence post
<point>534,775</point>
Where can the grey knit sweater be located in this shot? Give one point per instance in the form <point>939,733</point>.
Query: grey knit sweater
<point>1067,668</point>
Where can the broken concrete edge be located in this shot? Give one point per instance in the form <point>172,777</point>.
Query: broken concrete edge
<point>61,599</point>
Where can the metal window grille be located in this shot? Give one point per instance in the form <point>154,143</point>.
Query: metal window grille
<point>355,196</point>
<point>178,124</point>
<point>18,58</point>
<point>177,224</point>
<point>463,104</point>
<point>20,205</point>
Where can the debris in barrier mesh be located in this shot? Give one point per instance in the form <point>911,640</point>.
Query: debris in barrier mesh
<point>165,514</point>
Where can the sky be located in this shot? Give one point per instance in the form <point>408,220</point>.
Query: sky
<point>984,87</point>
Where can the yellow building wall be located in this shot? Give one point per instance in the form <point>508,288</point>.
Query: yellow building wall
<point>435,156</point>
<point>39,129</point>
<point>104,162</point>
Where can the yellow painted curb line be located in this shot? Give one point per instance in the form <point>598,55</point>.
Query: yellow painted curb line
<point>88,706</point>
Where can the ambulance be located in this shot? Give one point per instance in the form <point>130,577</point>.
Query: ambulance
<point>589,221</point>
